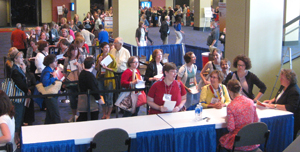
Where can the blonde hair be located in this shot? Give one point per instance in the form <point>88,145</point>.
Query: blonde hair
<point>13,51</point>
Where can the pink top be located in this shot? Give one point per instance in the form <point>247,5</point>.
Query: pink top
<point>72,34</point>
<point>240,112</point>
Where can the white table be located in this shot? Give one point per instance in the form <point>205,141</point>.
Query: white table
<point>83,132</point>
<point>217,117</point>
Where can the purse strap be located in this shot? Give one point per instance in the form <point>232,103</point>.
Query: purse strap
<point>246,93</point>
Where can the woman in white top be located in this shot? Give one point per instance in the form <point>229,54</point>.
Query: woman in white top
<point>43,48</point>
<point>210,66</point>
<point>7,121</point>
<point>187,75</point>
<point>140,35</point>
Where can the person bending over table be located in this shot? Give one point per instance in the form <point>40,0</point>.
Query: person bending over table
<point>288,97</point>
<point>155,67</point>
<point>7,121</point>
<point>215,94</point>
<point>240,112</point>
<point>166,88</point>
<point>128,81</point>
<point>246,78</point>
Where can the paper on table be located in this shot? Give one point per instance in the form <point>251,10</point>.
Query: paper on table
<point>194,90</point>
<point>106,61</point>
<point>159,76</point>
<point>140,85</point>
<point>169,105</point>
<point>72,66</point>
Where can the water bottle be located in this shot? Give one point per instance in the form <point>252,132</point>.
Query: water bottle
<point>198,112</point>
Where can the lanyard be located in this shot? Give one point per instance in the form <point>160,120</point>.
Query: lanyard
<point>166,90</point>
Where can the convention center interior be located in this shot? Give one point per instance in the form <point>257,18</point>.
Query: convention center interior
<point>149,75</point>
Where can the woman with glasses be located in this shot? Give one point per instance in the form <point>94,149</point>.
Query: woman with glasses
<point>155,67</point>
<point>166,89</point>
<point>130,78</point>
<point>215,94</point>
<point>246,78</point>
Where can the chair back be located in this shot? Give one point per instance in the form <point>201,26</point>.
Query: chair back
<point>252,134</point>
<point>8,147</point>
<point>111,140</point>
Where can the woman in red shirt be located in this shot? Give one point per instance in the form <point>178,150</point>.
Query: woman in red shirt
<point>166,89</point>
<point>130,78</point>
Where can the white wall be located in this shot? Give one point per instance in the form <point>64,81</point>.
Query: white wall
<point>82,7</point>
<point>46,11</point>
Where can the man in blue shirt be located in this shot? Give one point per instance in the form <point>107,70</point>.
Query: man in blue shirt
<point>103,35</point>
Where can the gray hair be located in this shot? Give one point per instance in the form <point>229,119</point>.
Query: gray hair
<point>290,75</point>
<point>18,25</point>
<point>120,40</point>
<point>167,18</point>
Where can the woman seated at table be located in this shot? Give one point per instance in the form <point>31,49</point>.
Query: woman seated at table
<point>128,81</point>
<point>166,89</point>
<point>187,75</point>
<point>288,97</point>
<point>155,67</point>
<point>47,78</point>
<point>215,95</point>
<point>7,121</point>
<point>246,78</point>
<point>240,112</point>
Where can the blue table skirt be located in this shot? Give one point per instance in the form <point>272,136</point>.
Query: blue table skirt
<point>281,132</point>
<point>155,141</point>
<point>195,139</point>
<point>57,146</point>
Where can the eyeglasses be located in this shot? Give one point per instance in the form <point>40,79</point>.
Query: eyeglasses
<point>239,65</point>
<point>135,62</point>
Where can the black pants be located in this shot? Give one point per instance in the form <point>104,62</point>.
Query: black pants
<point>52,112</point>
<point>83,116</point>
<point>129,114</point>
<point>148,38</point>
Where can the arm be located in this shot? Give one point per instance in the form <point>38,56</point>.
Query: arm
<point>183,100</point>
<point>46,80</point>
<point>93,86</point>
<point>125,79</point>
<point>6,133</point>
<point>203,97</point>
<point>202,71</point>
<point>92,36</point>
<point>227,98</point>
<point>150,102</point>
<point>260,85</point>
<point>98,66</point>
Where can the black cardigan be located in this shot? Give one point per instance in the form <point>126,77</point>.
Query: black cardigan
<point>138,34</point>
<point>251,80</point>
<point>151,71</point>
<point>19,78</point>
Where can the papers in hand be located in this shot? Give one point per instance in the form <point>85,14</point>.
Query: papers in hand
<point>60,56</point>
<point>72,66</point>
<point>170,105</point>
<point>159,76</point>
<point>140,84</point>
<point>194,90</point>
<point>106,61</point>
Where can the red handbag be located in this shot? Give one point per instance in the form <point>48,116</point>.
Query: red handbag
<point>142,99</point>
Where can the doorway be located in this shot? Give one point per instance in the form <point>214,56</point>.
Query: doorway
<point>24,12</point>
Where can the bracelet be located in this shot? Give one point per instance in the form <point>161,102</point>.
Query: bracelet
<point>275,106</point>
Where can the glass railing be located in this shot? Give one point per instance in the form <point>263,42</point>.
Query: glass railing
<point>291,40</point>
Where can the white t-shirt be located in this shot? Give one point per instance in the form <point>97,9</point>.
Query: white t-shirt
<point>11,125</point>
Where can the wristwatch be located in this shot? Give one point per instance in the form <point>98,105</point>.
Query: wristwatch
<point>275,106</point>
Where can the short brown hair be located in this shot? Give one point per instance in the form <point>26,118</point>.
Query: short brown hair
<point>130,60</point>
<point>79,40</point>
<point>243,58</point>
<point>188,56</point>
<point>41,45</point>
<point>154,54</point>
<point>226,61</point>
<point>290,75</point>
<point>169,66</point>
<point>49,59</point>
<point>6,107</point>
<point>234,86</point>
<point>219,73</point>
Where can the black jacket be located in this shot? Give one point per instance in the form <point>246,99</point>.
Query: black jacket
<point>151,71</point>
<point>19,78</point>
<point>251,80</point>
<point>164,30</point>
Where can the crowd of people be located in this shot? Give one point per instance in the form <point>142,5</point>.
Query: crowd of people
<point>218,88</point>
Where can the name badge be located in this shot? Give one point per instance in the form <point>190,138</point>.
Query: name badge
<point>192,82</point>
<point>167,97</point>
<point>214,100</point>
